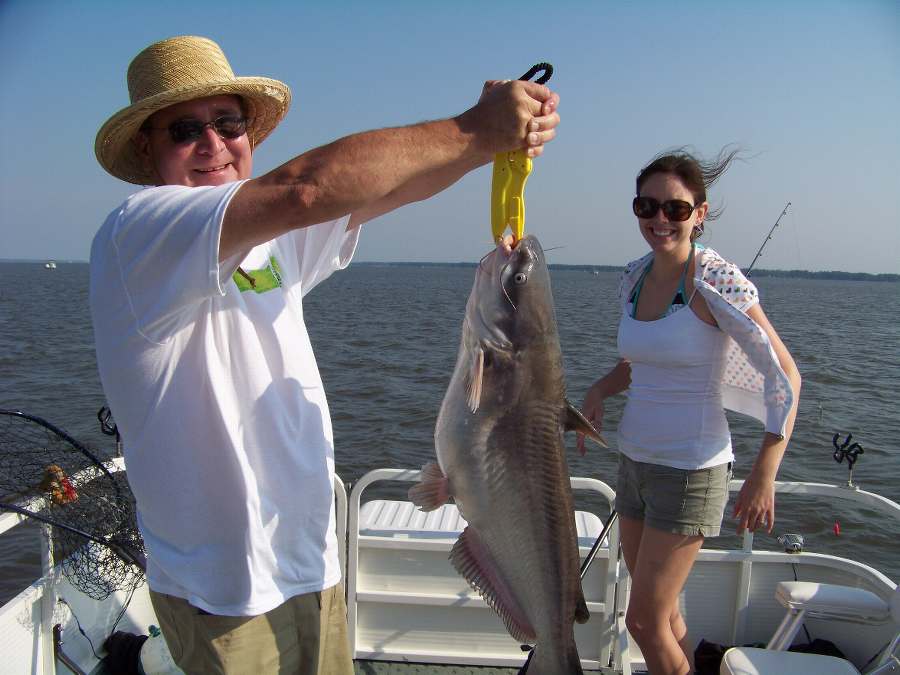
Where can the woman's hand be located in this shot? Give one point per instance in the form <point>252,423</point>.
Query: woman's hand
<point>755,505</point>
<point>593,411</point>
<point>614,382</point>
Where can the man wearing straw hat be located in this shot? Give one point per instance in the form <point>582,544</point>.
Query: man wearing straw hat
<point>196,293</point>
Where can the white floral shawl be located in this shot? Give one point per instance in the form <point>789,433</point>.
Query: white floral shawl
<point>753,382</point>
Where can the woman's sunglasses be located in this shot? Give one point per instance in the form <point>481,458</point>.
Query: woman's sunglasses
<point>674,209</point>
<point>189,130</point>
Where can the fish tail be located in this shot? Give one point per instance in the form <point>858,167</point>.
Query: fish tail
<point>547,661</point>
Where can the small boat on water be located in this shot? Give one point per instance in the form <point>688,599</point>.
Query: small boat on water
<point>50,265</point>
<point>409,610</point>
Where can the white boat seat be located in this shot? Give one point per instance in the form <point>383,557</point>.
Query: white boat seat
<point>388,518</point>
<point>403,520</point>
<point>830,600</point>
<point>756,661</point>
<point>824,601</point>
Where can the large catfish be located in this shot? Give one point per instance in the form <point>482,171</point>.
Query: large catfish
<point>501,456</point>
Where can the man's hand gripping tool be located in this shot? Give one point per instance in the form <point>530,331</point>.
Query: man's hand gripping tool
<point>511,170</point>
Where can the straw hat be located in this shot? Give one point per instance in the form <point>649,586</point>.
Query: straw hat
<point>175,70</point>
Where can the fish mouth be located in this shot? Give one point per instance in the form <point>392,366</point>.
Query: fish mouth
<point>485,269</point>
<point>481,263</point>
<point>494,312</point>
<point>483,319</point>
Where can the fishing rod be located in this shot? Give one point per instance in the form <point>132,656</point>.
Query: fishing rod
<point>613,516</point>
<point>768,236</point>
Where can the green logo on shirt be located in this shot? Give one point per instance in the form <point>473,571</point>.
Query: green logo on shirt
<point>264,279</point>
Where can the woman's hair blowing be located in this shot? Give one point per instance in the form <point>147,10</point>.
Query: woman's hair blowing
<point>696,174</point>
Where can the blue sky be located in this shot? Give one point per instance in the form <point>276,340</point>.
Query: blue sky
<point>811,91</point>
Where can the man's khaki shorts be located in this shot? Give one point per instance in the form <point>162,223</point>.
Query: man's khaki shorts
<point>679,501</point>
<point>305,635</point>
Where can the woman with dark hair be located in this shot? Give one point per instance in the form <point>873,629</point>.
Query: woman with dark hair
<point>693,340</point>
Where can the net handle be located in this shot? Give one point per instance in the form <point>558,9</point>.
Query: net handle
<point>126,553</point>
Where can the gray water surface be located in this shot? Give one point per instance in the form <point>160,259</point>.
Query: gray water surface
<point>386,339</point>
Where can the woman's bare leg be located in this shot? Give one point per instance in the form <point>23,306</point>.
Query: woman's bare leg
<point>659,563</point>
<point>680,631</point>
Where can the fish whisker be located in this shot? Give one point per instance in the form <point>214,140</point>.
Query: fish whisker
<point>483,258</point>
<point>509,299</point>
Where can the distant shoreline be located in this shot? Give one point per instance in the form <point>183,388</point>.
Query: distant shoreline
<point>758,273</point>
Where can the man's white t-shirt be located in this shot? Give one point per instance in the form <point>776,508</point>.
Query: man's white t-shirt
<point>215,390</point>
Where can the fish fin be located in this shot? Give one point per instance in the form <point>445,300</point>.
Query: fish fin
<point>582,615</point>
<point>575,421</point>
<point>474,562</point>
<point>474,383</point>
<point>433,491</point>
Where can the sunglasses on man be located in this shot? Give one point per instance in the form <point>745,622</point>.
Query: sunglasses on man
<point>675,210</point>
<point>189,130</point>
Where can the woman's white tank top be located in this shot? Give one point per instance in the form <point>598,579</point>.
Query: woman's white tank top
<point>674,414</point>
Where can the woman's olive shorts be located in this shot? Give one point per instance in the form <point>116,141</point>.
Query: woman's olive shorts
<point>680,501</point>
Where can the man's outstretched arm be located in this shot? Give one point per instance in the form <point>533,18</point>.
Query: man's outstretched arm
<point>371,173</point>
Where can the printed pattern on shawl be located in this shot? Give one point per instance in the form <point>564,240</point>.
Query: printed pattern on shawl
<point>728,280</point>
<point>753,382</point>
<point>629,275</point>
<point>725,277</point>
<point>731,284</point>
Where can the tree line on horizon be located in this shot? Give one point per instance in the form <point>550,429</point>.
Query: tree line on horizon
<point>796,274</point>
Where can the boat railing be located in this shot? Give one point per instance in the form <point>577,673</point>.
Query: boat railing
<point>747,556</point>
<point>40,596</point>
<point>41,615</point>
<point>399,578</point>
<point>731,591</point>
<point>743,608</point>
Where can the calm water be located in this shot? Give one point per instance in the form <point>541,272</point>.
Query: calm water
<point>386,339</point>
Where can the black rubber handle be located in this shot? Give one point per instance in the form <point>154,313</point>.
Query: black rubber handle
<point>535,69</point>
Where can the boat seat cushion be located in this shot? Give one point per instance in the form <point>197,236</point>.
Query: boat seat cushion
<point>755,661</point>
<point>831,599</point>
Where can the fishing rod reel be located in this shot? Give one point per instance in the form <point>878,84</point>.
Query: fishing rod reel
<point>848,451</point>
<point>793,543</point>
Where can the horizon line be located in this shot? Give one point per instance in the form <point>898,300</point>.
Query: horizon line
<point>888,276</point>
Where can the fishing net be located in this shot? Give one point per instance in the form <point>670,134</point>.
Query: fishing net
<point>48,476</point>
